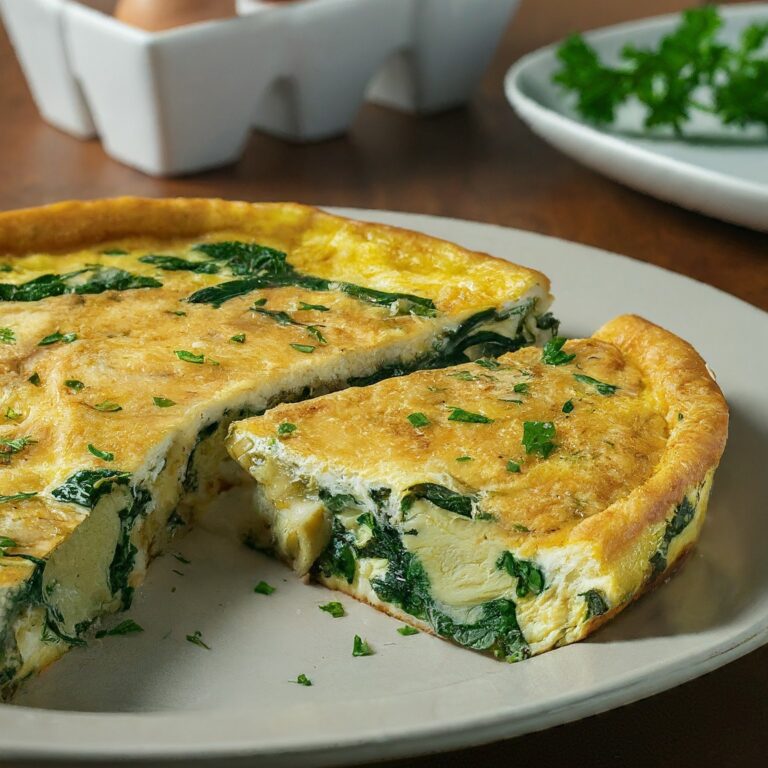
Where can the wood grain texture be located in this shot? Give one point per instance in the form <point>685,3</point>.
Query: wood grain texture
<point>478,163</point>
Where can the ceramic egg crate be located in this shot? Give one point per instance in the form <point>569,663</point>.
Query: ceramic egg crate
<point>186,98</point>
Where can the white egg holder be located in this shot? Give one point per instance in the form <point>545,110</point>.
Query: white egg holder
<point>186,99</point>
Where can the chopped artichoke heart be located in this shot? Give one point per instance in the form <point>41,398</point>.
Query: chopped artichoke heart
<point>458,556</point>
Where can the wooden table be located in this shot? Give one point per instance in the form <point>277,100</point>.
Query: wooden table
<point>477,163</point>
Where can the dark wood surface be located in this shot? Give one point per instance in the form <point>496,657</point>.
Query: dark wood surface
<point>477,163</point>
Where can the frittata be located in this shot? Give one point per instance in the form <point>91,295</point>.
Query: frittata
<point>133,332</point>
<point>511,505</point>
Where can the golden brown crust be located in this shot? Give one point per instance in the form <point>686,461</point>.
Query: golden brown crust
<point>683,386</point>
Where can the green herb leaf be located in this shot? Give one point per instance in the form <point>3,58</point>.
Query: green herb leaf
<point>12,414</point>
<point>114,252</point>
<point>104,455</point>
<point>464,376</point>
<point>597,605</point>
<point>360,647</point>
<point>107,406</point>
<point>126,627</point>
<point>530,579</point>
<point>463,459</point>
<point>196,638</point>
<point>163,402</point>
<point>513,466</point>
<point>9,448</point>
<point>316,307</point>
<point>552,353</point>
<point>286,428</point>
<point>537,437</point>
<point>307,349</point>
<point>441,497</point>
<point>189,357</point>
<point>567,406</point>
<point>34,379</point>
<point>418,419</point>
<point>280,317</point>
<point>406,631</point>
<point>74,386</point>
<point>86,486</point>
<point>54,338</point>
<point>178,313</point>
<point>302,679</point>
<point>262,588</point>
<point>7,336</point>
<point>459,414</point>
<point>17,496</point>
<point>174,263</point>
<point>520,388</point>
<point>489,363</point>
<point>6,543</point>
<point>315,332</point>
<point>600,386</point>
<point>238,338</point>
<point>689,70</point>
<point>335,608</point>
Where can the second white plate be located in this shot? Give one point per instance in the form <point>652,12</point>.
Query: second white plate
<point>714,172</point>
<point>155,695</point>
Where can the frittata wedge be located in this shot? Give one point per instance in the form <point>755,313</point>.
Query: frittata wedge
<point>510,505</point>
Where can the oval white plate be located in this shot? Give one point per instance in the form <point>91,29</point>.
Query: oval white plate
<point>156,695</point>
<point>716,173</point>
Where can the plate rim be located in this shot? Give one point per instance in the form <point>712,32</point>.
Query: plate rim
<point>416,740</point>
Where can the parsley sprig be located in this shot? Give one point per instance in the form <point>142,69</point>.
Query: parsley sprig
<point>689,70</point>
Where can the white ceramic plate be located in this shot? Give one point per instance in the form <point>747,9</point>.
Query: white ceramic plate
<point>718,172</point>
<point>155,695</point>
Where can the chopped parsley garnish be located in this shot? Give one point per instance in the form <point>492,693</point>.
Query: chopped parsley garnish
<point>10,447</point>
<point>513,466</point>
<point>488,363</point>
<point>74,385</point>
<point>315,332</point>
<point>104,455</point>
<point>286,428</point>
<point>418,419</point>
<point>55,338</point>
<point>262,588</point>
<point>108,406</point>
<point>464,376</point>
<point>567,406</point>
<point>335,608</point>
<point>521,528</point>
<point>553,354</point>
<point>520,388</point>
<point>189,357</point>
<point>12,414</point>
<point>316,307</point>
<point>6,543</point>
<point>463,459</point>
<point>196,638</point>
<point>600,386</point>
<point>459,414</point>
<point>260,302</point>
<point>178,312</point>
<point>280,317</point>
<point>34,379</point>
<point>302,679</point>
<point>529,577</point>
<point>360,647</point>
<point>163,402</point>
<point>688,70</point>
<point>597,605</point>
<point>238,338</point>
<point>406,631</point>
<point>17,496</point>
<point>537,437</point>
<point>127,627</point>
<point>307,349</point>
<point>7,336</point>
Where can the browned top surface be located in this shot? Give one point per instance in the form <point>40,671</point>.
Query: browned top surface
<point>498,172</point>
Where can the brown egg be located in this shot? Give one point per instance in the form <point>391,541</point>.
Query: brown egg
<point>155,15</point>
